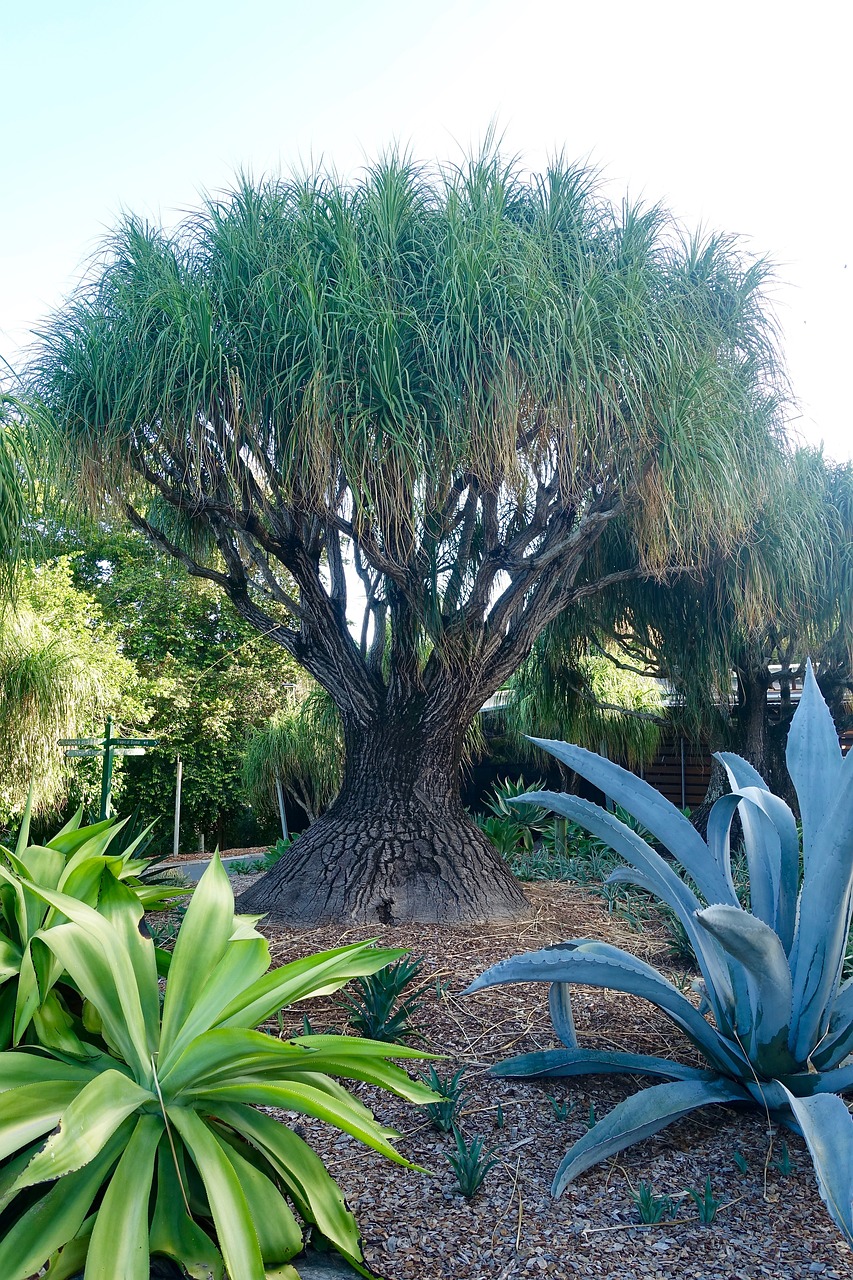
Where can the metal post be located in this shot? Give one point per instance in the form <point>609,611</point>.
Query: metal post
<point>107,771</point>
<point>280,793</point>
<point>176,839</point>
<point>683,787</point>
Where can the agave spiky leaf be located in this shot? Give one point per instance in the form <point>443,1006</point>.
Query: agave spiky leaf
<point>783,1021</point>
<point>597,964</point>
<point>825,793</point>
<point>827,1128</point>
<point>547,1063</point>
<point>640,1116</point>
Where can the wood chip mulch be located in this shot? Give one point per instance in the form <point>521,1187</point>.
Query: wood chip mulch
<point>416,1226</point>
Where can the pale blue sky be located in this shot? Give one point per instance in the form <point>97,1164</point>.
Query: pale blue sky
<point>735,114</point>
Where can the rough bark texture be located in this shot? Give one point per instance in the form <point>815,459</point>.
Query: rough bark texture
<point>752,685</point>
<point>718,785</point>
<point>396,845</point>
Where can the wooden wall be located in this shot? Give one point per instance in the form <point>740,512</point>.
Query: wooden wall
<point>681,776</point>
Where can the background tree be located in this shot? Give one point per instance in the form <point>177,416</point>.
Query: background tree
<point>723,636</point>
<point>61,672</point>
<point>567,692</point>
<point>16,486</point>
<point>205,676</point>
<point>300,747</point>
<point>459,380</point>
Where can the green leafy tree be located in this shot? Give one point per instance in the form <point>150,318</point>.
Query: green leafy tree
<point>456,381</point>
<point>61,672</point>
<point>207,677</point>
<point>723,636</point>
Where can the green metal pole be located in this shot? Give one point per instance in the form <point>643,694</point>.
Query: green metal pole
<point>107,771</point>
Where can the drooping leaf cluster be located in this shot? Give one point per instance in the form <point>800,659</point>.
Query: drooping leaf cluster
<point>582,696</point>
<point>457,377</point>
<point>61,673</point>
<point>301,747</point>
<point>128,1119</point>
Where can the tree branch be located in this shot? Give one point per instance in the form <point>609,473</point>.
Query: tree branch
<point>192,566</point>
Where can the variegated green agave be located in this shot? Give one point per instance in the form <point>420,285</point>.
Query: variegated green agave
<point>782,1033</point>
<point>155,1145</point>
<point>36,1003</point>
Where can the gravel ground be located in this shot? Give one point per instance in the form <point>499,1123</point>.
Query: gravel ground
<point>417,1227</point>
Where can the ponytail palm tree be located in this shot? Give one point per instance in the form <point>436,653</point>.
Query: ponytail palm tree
<point>721,636</point>
<point>452,383</point>
<point>300,748</point>
<point>15,486</point>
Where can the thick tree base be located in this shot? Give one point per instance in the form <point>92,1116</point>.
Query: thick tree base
<point>386,868</point>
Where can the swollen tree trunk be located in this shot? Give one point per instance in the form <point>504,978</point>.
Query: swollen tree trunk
<point>396,845</point>
<point>752,743</point>
<point>753,684</point>
<point>718,785</point>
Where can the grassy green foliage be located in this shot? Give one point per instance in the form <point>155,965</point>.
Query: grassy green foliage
<point>61,673</point>
<point>706,1202</point>
<point>144,1138</point>
<point>783,1164</point>
<point>17,482</point>
<point>301,746</point>
<point>782,1029</point>
<point>562,1110</point>
<point>650,1207</point>
<point>593,315</point>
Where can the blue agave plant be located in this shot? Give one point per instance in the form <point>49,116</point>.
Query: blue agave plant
<point>782,1030</point>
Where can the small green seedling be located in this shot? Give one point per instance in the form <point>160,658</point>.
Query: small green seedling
<point>470,1164</point>
<point>247,867</point>
<point>706,1202</point>
<point>443,1114</point>
<point>590,1120</point>
<point>650,1207</point>
<point>308,1028</point>
<point>562,1110</point>
<point>741,1161</point>
<point>784,1166</point>
<point>499,1117</point>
